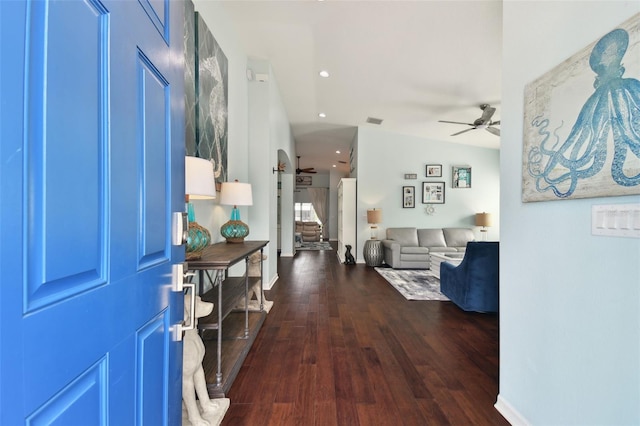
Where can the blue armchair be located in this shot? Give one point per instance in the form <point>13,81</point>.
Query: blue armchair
<point>473,285</point>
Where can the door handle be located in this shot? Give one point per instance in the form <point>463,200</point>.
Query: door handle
<point>178,285</point>
<point>182,326</point>
<point>178,275</point>
<point>179,228</point>
<point>192,311</point>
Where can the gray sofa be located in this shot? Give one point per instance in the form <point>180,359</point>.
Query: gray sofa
<point>409,248</point>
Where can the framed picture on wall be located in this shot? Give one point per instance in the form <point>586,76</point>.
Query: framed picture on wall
<point>461,177</point>
<point>434,170</point>
<point>433,192</point>
<point>408,197</point>
<point>580,137</point>
<point>303,180</point>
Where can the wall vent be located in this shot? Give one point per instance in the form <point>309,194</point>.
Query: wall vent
<point>373,120</point>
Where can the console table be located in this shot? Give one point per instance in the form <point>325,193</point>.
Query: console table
<point>225,352</point>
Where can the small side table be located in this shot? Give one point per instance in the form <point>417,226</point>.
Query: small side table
<point>373,252</point>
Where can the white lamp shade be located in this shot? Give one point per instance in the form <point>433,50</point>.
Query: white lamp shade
<point>236,194</point>
<point>374,216</point>
<point>483,219</point>
<point>199,181</point>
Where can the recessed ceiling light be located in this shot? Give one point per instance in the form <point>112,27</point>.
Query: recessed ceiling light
<point>322,115</point>
<point>337,152</point>
<point>324,73</point>
<point>334,165</point>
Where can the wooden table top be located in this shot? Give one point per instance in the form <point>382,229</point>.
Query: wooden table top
<point>222,255</point>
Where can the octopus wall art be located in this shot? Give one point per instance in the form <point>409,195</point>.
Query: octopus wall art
<point>206,94</point>
<point>582,122</point>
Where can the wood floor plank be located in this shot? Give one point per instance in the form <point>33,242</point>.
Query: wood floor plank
<point>281,414</point>
<point>325,382</point>
<point>326,413</point>
<point>288,384</point>
<point>306,395</point>
<point>343,347</point>
<point>394,400</point>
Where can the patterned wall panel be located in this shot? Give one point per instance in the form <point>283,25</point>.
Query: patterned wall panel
<point>212,75</point>
<point>190,78</point>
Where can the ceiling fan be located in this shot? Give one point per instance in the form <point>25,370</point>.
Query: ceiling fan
<point>484,122</point>
<point>307,170</point>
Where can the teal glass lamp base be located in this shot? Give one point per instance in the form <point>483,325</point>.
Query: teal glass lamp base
<point>198,237</point>
<point>234,231</point>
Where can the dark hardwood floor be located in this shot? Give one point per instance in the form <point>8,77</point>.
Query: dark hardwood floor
<point>342,347</point>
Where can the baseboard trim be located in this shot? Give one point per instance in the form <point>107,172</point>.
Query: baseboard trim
<point>289,254</point>
<point>271,283</point>
<point>509,413</point>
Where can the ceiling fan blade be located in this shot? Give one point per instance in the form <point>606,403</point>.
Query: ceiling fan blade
<point>493,130</point>
<point>463,131</point>
<point>487,113</point>
<point>305,170</point>
<point>454,122</point>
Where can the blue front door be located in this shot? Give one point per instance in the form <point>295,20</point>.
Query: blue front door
<point>91,169</point>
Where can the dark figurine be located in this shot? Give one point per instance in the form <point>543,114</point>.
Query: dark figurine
<point>348,257</point>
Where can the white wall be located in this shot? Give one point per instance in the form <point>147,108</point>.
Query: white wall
<point>569,301</point>
<point>383,158</point>
<point>269,132</point>
<point>209,213</point>
<point>334,179</point>
<point>258,128</point>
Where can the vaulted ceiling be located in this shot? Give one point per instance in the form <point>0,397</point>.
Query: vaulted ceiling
<point>409,63</point>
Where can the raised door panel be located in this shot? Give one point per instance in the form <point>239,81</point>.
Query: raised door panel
<point>94,156</point>
<point>65,145</point>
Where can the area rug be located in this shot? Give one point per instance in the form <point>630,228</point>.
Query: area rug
<point>315,245</point>
<point>413,284</point>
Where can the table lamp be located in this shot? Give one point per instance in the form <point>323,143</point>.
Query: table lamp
<point>235,194</point>
<point>484,220</point>
<point>374,217</point>
<point>199,185</point>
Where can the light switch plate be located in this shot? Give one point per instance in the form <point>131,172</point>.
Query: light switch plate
<point>616,220</point>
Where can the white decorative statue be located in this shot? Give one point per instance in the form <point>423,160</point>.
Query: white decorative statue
<point>193,380</point>
<point>253,270</point>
